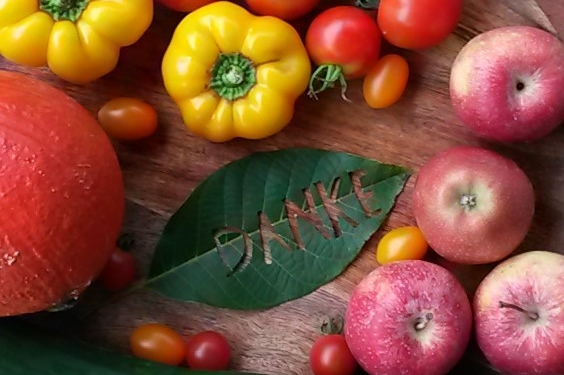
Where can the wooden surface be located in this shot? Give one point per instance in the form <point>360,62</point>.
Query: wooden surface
<point>161,171</point>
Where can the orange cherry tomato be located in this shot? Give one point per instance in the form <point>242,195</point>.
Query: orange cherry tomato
<point>159,343</point>
<point>128,118</point>
<point>402,243</point>
<point>385,83</point>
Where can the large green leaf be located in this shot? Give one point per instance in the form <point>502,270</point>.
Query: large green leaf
<point>29,350</point>
<point>194,263</point>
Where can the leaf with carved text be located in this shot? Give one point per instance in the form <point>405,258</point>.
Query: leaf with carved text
<point>272,227</point>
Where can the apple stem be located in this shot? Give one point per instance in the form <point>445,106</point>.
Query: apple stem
<point>531,314</point>
<point>422,321</point>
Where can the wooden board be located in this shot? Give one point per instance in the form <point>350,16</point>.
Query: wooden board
<point>161,171</point>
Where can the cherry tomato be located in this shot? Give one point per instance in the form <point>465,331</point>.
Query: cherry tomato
<point>345,36</point>
<point>119,271</point>
<point>159,343</point>
<point>416,24</point>
<point>208,350</point>
<point>185,5</point>
<point>400,244</point>
<point>344,42</point>
<point>330,355</point>
<point>385,82</point>
<point>128,118</point>
<point>285,9</point>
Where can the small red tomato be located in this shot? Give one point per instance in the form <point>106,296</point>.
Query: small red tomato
<point>128,118</point>
<point>386,81</point>
<point>119,271</point>
<point>402,243</point>
<point>208,350</point>
<point>330,355</point>
<point>344,42</point>
<point>185,5</point>
<point>159,343</point>
<point>416,24</point>
<point>285,9</point>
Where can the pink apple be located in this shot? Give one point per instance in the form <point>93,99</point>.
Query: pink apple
<point>507,84</point>
<point>473,206</point>
<point>408,317</point>
<point>519,314</point>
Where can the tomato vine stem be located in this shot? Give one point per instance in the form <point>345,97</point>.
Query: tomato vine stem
<point>327,75</point>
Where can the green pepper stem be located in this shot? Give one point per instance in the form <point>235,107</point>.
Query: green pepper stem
<point>64,9</point>
<point>328,75</point>
<point>367,4</point>
<point>232,76</point>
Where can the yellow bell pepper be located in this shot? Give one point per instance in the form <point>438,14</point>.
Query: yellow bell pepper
<point>233,74</point>
<point>80,40</point>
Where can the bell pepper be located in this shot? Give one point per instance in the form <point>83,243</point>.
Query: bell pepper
<point>79,40</point>
<point>233,74</point>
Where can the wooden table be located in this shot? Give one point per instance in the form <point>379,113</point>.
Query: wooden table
<point>161,171</point>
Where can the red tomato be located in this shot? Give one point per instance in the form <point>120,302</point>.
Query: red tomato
<point>128,118</point>
<point>345,36</point>
<point>119,271</point>
<point>159,343</point>
<point>402,243</point>
<point>284,9</point>
<point>185,5</point>
<point>208,350</point>
<point>416,24</point>
<point>330,355</point>
<point>385,82</point>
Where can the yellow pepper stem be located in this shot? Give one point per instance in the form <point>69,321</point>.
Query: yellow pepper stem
<point>64,9</point>
<point>327,75</point>
<point>232,76</point>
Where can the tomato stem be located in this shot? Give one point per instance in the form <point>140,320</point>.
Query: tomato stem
<point>61,10</point>
<point>367,4</point>
<point>530,314</point>
<point>333,325</point>
<point>232,76</point>
<point>328,75</point>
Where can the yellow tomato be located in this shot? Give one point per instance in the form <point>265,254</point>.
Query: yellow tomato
<point>402,243</point>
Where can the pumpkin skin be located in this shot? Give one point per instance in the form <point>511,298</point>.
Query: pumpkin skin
<point>61,196</point>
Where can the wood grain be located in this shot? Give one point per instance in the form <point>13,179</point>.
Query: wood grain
<point>161,171</point>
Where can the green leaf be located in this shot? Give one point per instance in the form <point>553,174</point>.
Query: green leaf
<point>211,249</point>
<point>26,349</point>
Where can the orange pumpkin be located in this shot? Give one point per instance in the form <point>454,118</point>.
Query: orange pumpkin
<point>61,196</point>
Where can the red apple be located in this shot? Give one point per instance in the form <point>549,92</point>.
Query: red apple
<point>408,317</point>
<point>473,206</point>
<point>507,84</point>
<point>519,314</point>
